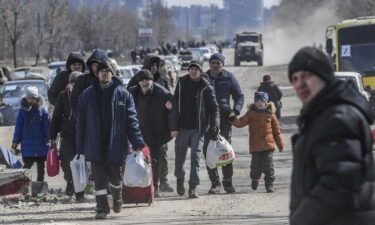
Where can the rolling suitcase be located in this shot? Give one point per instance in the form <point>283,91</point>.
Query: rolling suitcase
<point>139,194</point>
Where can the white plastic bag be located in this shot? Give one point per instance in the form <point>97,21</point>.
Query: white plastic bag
<point>219,153</point>
<point>137,171</point>
<point>80,173</point>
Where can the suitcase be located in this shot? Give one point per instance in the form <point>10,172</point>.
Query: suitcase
<point>131,195</point>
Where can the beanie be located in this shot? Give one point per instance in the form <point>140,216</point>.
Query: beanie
<point>31,91</point>
<point>195,64</point>
<point>259,95</point>
<point>218,56</point>
<point>313,60</point>
<point>144,74</point>
<point>267,78</point>
<point>73,76</point>
<point>107,65</point>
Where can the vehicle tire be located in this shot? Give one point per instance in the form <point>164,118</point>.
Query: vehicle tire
<point>237,61</point>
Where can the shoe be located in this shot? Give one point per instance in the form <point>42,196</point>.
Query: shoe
<point>101,215</point>
<point>81,200</point>
<point>269,188</point>
<point>215,189</point>
<point>165,187</point>
<point>228,187</point>
<point>192,192</point>
<point>180,186</point>
<point>69,191</point>
<point>254,185</point>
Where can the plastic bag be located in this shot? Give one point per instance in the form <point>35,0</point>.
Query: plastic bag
<point>137,171</point>
<point>219,153</point>
<point>80,173</point>
<point>53,162</point>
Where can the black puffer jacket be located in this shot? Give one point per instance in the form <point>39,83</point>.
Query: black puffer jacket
<point>157,113</point>
<point>62,79</point>
<point>333,167</point>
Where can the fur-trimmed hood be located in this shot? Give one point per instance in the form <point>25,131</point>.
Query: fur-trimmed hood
<point>270,107</point>
<point>27,107</point>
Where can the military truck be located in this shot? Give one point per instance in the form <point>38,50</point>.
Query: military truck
<point>248,47</point>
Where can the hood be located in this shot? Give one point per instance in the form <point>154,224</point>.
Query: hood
<point>73,58</point>
<point>270,107</point>
<point>338,92</point>
<point>38,105</point>
<point>98,56</point>
<point>149,59</point>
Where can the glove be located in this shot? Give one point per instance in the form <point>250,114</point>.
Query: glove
<point>214,132</point>
<point>281,149</point>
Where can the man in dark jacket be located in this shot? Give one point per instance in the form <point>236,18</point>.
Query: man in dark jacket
<point>273,92</point>
<point>225,86</point>
<point>333,167</point>
<point>194,113</point>
<point>103,108</point>
<point>63,122</point>
<point>75,62</point>
<point>151,62</point>
<point>151,101</point>
<point>87,79</point>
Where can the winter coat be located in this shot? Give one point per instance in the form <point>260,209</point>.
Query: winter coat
<point>263,128</point>
<point>333,167</point>
<point>124,125</point>
<point>273,92</point>
<point>148,60</point>
<point>32,129</point>
<point>62,118</point>
<point>86,80</point>
<point>62,79</point>
<point>208,109</point>
<point>156,112</point>
<point>225,86</point>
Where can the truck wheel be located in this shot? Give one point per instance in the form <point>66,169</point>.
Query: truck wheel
<point>237,61</point>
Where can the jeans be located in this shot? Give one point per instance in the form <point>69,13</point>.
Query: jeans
<point>163,164</point>
<point>185,139</point>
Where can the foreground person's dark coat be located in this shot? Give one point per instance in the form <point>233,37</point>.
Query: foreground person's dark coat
<point>333,171</point>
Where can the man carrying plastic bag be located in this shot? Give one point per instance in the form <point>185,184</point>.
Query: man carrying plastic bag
<point>219,153</point>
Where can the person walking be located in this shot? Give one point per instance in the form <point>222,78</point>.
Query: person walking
<point>106,122</point>
<point>265,135</point>
<point>333,167</point>
<point>153,105</point>
<point>273,92</point>
<point>226,86</point>
<point>195,112</point>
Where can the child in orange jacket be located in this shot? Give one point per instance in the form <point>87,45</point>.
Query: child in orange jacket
<point>265,135</point>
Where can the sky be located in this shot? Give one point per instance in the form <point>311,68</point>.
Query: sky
<point>267,3</point>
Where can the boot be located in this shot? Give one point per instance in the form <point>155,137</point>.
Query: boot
<point>192,191</point>
<point>270,188</point>
<point>254,184</point>
<point>80,197</point>
<point>100,215</point>
<point>215,188</point>
<point>180,186</point>
<point>228,187</point>
<point>69,188</point>
<point>165,187</point>
<point>117,199</point>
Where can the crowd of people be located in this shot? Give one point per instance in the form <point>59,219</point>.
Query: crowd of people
<point>96,116</point>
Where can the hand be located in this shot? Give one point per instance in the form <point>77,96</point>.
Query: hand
<point>214,132</point>
<point>174,133</point>
<point>232,116</point>
<point>168,105</point>
<point>14,145</point>
<point>281,149</point>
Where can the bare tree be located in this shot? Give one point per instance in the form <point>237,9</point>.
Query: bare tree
<point>15,21</point>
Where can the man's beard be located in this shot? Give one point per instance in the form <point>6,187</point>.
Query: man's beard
<point>145,88</point>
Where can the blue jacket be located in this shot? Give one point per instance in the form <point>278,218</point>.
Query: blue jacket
<point>226,85</point>
<point>124,126</point>
<point>32,129</point>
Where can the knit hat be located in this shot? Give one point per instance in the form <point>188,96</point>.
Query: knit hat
<point>195,64</point>
<point>73,76</point>
<point>107,65</point>
<point>144,75</point>
<point>31,91</point>
<point>267,78</point>
<point>260,95</point>
<point>218,56</point>
<point>313,60</point>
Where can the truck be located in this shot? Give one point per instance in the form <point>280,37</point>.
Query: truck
<point>248,47</point>
<point>351,44</point>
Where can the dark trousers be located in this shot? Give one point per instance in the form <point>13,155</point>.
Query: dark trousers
<point>226,132</point>
<point>29,162</point>
<point>262,162</point>
<point>156,157</point>
<point>163,164</point>
<point>106,172</point>
<point>67,153</point>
